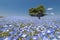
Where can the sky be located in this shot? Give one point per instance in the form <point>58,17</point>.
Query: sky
<point>21,7</point>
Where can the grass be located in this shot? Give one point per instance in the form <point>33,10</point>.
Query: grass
<point>4,34</point>
<point>31,38</point>
<point>22,25</point>
<point>19,38</point>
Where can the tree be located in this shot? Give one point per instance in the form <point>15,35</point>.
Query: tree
<point>1,16</point>
<point>37,12</point>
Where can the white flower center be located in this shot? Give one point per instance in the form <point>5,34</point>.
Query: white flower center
<point>59,36</point>
<point>10,25</point>
<point>34,37</point>
<point>6,39</point>
<point>48,31</point>
<point>24,35</point>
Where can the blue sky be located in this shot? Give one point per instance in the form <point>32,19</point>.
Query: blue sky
<point>21,7</point>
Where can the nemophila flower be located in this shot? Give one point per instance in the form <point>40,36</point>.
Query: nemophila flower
<point>45,38</point>
<point>23,38</point>
<point>35,37</point>
<point>20,34</point>
<point>14,38</point>
<point>54,39</point>
<point>42,34</point>
<point>28,37</point>
<point>50,30</point>
<point>24,35</point>
<point>25,26</point>
<point>42,28</point>
<point>22,30</point>
<point>12,32</point>
<point>29,26</point>
<point>58,36</point>
<point>55,26</point>
<point>39,26</point>
<point>58,25</point>
<point>10,25</point>
<point>38,30</point>
<point>5,30</point>
<point>5,26</point>
<point>28,30</point>
<point>15,29</point>
<point>57,32</point>
<point>51,35</point>
<point>51,26</point>
<point>8,38</point>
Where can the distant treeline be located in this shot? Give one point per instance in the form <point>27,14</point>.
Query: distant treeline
<point>1,16</point>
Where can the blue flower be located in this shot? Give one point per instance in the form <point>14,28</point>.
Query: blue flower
<point>8,38</point>
<point>35,37</point>
<point>45,38</point>
<point>50,30</point>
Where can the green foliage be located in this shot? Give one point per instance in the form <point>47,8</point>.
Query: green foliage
<point>35,32</point>
<point>22,25</point>
<point>31,34</point>
<point>38,11</point>
<point>1,16</point>
<point>19,38</point>
<point>41,7</point>
<point>25,32</point>
<point>4,34</point>
<point>31,38</point>
<point>40,39</point>
<point>32,11</point>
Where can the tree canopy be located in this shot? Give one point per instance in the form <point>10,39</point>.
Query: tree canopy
<point>38,11</point>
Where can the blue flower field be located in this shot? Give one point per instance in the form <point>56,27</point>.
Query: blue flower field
<point>30,28</point>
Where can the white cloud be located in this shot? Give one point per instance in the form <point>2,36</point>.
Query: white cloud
<point>49,8</point>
